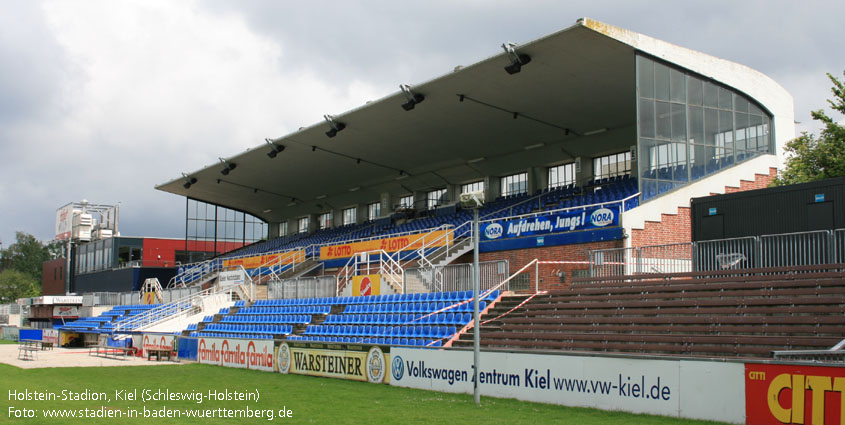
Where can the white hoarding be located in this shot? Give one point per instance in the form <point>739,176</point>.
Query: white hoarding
<point>231,278</point>
<point>240,353</point>
<point>64,222</point>
<point>713,390</point>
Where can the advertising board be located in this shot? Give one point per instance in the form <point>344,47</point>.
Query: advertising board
<point>794,394</point>
<point>562,222</point>
<point>353,362</point>
<point>690,389</point>
<point>239,353</point>
<point>400,243</point>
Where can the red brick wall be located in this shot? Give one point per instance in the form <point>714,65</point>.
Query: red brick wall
<point>548,273</point>
<point>677,228</point>
<point>53,277</point>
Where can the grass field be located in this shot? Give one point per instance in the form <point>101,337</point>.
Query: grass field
<point>7,341</point>
<point>312,400</point>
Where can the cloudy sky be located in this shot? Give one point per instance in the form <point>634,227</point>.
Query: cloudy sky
<point>102,100</point>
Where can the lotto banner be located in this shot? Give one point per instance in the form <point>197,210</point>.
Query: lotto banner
<point>401,243</point>
<point>366,285</point>
<point>788,394</point>
<point>150,298</point>
<point>266,260</point>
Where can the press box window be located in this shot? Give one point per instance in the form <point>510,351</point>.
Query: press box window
<point>349,216</point>
<point>515,184</point>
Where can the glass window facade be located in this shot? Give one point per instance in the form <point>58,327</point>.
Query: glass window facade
<point>472,187</point>
<point>325,220</point>
<point>689,127</point>
<point>303,224</point>
<point>349,216</point>
<point>515,184</point>
<point>562,175</point>
<point>213,228</point>
<point>617,164</point>
<point>406,201</point>
<point>374,210</point>
<point>435,198</point>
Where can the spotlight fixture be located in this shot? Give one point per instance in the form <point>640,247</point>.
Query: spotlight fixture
<point>517,59</point>
<point>275,148</point>
<point>188,181</point>
<point>335,125</point>
<point>413,98</point>
<point>229,166</point>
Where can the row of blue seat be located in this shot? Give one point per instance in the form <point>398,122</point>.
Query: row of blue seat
<point>310,309</point>
<point>377,331</point>
<point>268,318</point>
<point>425,307</point>
<point>250,329</point>
<point>413,342</point>
<point>453,296</point>
<point>231,335</point>
<point>398,319</point>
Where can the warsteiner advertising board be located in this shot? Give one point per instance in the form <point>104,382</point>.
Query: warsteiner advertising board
<point>353,362</point>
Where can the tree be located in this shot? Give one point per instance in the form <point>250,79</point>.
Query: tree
<point>26,255</point>
<point>15,284</point>
<point>810,158</point>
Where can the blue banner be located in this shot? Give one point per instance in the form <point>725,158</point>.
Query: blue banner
<point>567,221</point>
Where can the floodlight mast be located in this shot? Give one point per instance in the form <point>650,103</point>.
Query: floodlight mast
<point>475,200</point>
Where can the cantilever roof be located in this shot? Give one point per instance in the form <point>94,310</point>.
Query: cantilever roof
<point>579,80</point>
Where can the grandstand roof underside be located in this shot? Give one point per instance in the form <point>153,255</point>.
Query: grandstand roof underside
<point>579,78</point>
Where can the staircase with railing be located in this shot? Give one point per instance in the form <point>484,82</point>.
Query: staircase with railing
<point>372,262</point>
<point>209,300</point>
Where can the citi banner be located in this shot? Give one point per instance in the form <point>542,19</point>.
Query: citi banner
<point>569,221</point>
<point>266,260</point>
<point>353,362</point>
<point>240,353</point>
<point>400,243</point>
<point>678,388</point>
<point>789,394</point>
<point>158,342</point>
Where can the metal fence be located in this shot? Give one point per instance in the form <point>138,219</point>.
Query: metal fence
<point>7,309</point>
<point>735,253</point>
<point>302,287</point>
<point>134,298</point>
<point>668,258</point>
<point>455,277</point>
<point>782,250</point>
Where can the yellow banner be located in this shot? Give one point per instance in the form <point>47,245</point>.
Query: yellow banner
<point>361,363</point>
<point>266,260</point>
<point>149,298</point>
<point>366,285</point>
<point>399,243</point>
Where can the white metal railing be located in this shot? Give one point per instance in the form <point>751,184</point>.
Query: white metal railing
<point>455,277</point>
<point>371,262</point>
<point>181,307</point>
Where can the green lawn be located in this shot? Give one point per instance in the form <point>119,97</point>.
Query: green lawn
<point>312,400</point>
<point>7,341</point>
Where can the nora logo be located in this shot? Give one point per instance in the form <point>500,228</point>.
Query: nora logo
<point>397,368</point>
<point>493,231</point>
<point>601,217</point>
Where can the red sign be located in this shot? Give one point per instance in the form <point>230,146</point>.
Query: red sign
<point>158,342</point>
<point>788,394</point>
<point>241,353</point>
<point>366,287</point>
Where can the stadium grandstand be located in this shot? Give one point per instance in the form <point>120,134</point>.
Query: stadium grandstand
<point>581,152</point>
